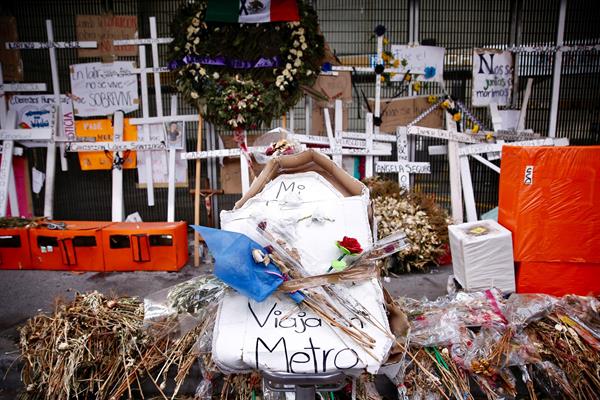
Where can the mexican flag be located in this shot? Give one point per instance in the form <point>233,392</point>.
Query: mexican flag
<point>251,11</point>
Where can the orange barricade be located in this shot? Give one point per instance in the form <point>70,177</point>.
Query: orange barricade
<point>550,201</point>
<point>14,249</point>
<point>76,248</point>
<point>145,246</point>
<point>558,279</point>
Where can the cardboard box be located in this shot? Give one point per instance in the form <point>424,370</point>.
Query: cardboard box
<point>558,278</point>
<point>249,334</point>
<point>550,201</point>
<point>482,255</point>
<point>145,246</point>
<point>76,248</point>
<point>404,110</point>
<point>14,249</point>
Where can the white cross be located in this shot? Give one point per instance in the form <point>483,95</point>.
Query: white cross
<point>8,173</point>
<point>9,134</point>
<point>342,142</point>
<point>155,70</point>
<point>403,167</point>
<point>117,147</point>
<point>370,131</point>
<point>51,46</point>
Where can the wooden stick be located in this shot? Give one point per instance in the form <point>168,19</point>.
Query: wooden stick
<point>284,121</point>
<point>197,195</point>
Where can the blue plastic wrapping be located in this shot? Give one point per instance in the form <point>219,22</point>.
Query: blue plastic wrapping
<point>235,265</point>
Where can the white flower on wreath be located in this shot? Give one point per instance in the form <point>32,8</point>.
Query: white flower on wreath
<point>202,71</point>
<point>194,95</point>
<point>293,51</point>
<point>299,53</point>
<point>304,46</point>
<point>216,75</point>
<point>298,62</point>
<point>296,43</point>
<point>302,39</point>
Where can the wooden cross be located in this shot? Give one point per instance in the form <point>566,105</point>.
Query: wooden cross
<point>155,70</point>
<point>403,167</point>
<point>51,46</point>
<point>373,131</point>
<point>4,89</point>
<point>9,134</point>
<point>340,139</point>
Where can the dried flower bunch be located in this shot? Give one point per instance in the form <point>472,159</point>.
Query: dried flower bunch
<point>418,216</point>
<point>96,347</point>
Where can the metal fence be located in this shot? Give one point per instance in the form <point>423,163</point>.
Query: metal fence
<point>348,26</point>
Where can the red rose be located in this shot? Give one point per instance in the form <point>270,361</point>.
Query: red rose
<point>270,150</point>
<point>351,245</point>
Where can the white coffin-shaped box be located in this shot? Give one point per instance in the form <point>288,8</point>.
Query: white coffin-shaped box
<point>482,255</point>
<point>316,204</point>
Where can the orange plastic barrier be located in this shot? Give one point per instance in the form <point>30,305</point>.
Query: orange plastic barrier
<point>558,279</point>
<point>76,248</point>
<point>131,246</point>
<point>14,249</point>
<point>550,201</point>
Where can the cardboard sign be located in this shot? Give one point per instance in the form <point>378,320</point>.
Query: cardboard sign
<point>231,175</point>
<point>334,88</point>
<point>103,29</point>
<point>102,89</point>
<point>36,112</point>
<point>402,111</point>
<point>102,131</point>
<point>12,65</point>
<point>317,120</point>
<point>426,59</point>
<point>160,161</point>
<point>251,335</point>
<point>492,77</point>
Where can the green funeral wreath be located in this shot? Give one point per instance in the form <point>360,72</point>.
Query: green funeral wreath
<point>235,97</point>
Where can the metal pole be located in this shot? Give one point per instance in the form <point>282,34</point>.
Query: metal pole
<point>516,33</point>
<point>557,69</point>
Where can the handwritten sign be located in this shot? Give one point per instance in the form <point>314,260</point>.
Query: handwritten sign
<point>492,77</point>
<point>159,160</point>
<point>36,112</point>
<point>102,89</point>
<point>442,134</point>
<point>333,87</point>
<point>497,147</point>
<point>12,65</point>
<point>402,111</point>
<point>387,167</point>
<point>102,131</point>
<point>104,29</point>
<point>429,59</point>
